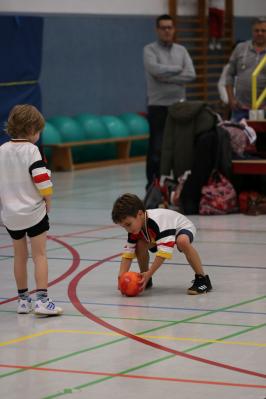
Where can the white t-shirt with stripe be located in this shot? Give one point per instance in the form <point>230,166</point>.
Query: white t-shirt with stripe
<point>24,180</point>
<point>162,227</point>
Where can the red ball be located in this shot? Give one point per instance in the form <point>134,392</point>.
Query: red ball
<point>129,283</point>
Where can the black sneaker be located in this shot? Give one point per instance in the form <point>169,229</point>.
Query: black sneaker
<point>149,284</point>
<point>201,285</point>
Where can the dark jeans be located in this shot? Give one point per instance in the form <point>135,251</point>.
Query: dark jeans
<point>157,117</point>
<point>240,114</point>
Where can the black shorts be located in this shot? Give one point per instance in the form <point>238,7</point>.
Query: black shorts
<point>182,231</point>
<point>33,231</point>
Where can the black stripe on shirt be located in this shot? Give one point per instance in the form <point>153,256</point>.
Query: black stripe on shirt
<point>37,164</point>
<point>166,233</point>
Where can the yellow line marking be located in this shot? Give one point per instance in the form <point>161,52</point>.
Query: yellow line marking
<point>24,338</point>
<point>113,334</point>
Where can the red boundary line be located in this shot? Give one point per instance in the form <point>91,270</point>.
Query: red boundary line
<point>134,376</point>
<point>72,293</point>
<point>88,231</point>
<point>72,268</point>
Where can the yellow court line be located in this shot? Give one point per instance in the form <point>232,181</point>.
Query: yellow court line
<point>113,334</point>
<point>24,338</point>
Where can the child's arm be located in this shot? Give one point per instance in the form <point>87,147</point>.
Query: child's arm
<point>48,201</point>
<point>125,265</point>
<point>158,261</point>
<point>41,177</point>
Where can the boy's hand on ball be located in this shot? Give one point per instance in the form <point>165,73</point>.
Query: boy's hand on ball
<point>145,276</point>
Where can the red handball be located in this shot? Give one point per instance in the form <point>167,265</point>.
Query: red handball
<point>129,283</point>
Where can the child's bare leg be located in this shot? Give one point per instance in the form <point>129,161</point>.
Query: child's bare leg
<point>38,248</point>
<point>183,244</point>
<point>142,255</point>
<point>20,263</point>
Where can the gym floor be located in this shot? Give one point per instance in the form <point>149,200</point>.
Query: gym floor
<point>162,343</point>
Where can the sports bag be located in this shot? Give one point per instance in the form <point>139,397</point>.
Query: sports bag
<point>218,196</point>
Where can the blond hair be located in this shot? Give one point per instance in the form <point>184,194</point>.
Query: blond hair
<point>24,120</point>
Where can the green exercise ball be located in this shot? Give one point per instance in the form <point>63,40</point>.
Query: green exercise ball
<point>50,135</point>
<point>94,129</point>
<point>116,128</point>
<point>137,125</point>
<point>70,130</point>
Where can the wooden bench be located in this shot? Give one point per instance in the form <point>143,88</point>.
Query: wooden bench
<point>62,159</point>
<point>249,167</point>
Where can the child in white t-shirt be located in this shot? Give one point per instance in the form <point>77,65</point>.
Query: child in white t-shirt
<point>157,230</point>
<point>25,195</point>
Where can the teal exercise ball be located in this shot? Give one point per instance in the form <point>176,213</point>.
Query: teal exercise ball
<point>137,125</point>
<point>70,130</point>
<point>94,129</point>
<point>92,126</point>
<point>50,135</point>
<point>116,128</point>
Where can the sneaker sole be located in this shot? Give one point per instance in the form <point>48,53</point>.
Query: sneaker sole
<point>43,313</point>
<point>23,312</point>
<point>197,293</point>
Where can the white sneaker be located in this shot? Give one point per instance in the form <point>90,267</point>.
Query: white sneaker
<point>24,306</point>
<point>47,308</point>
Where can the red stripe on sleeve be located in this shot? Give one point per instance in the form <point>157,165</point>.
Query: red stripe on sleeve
<point>41,178</point>
<point>167,244</point>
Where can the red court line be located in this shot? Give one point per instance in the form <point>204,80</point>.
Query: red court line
<point>72,268</point>
<point>88,231</point>
<point>134,376</point>
<point>72,234</point>
<point>72,293</point>
<point>5,246</point>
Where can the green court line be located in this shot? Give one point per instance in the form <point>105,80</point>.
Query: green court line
<point>142,332</point>
<point>144,319</point>
<point>79,387</point>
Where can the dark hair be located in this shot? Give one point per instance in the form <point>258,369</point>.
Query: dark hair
<point>126,205</point>
<point>260,20</point>
<point>164,17</point>
<point>24,120</point>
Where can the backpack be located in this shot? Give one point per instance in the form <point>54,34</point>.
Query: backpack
<point>252,203</point>
<point>218,196</point>
<point>241,137</point>
<point>165,193</point>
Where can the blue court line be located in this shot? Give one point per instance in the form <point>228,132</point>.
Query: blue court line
<point>167,263</point>
<point>156,307</point>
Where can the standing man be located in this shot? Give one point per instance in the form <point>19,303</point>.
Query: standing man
<point>168,67</point>
<point>242,63</point>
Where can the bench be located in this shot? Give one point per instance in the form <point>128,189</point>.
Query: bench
<point>249,167</point>
<point>62,160</point>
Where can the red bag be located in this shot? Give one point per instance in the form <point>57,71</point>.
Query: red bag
<point>252,203</point>
<point>218,196</point>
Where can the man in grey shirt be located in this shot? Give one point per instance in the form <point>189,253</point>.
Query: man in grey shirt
<point>242,63</point>
<point>168,67</point>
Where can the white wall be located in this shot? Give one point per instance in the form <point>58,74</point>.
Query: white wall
<point>132,7</point>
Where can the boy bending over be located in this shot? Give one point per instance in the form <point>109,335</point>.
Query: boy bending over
<point>157,230</point>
